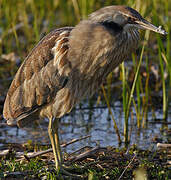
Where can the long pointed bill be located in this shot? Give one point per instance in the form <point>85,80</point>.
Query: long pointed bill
<point>147,25</point>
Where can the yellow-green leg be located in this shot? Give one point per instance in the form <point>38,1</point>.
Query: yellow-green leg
<point>59,153</point>
<point>53,134</point>
<point>54,137</point>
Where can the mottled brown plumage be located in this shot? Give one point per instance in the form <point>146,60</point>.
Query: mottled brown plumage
<point>71,63</point>
<point>38,79</point>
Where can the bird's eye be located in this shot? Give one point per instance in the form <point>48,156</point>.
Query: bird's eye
<point>129,19</point>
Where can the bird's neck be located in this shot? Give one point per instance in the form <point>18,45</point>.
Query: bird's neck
<point>127,43</point>
<point>132,38</point>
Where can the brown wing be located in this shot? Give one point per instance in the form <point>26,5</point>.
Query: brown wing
<point>40,76</point>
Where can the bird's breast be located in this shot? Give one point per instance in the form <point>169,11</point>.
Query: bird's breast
<point>93,54</point>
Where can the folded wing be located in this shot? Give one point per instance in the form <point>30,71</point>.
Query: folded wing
<point>43,73</point>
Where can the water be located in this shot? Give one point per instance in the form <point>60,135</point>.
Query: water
<point>95,122</point>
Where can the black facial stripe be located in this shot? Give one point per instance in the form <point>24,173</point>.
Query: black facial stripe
<point>112,26</point>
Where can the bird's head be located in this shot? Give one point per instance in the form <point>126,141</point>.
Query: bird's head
<point>123,17</point>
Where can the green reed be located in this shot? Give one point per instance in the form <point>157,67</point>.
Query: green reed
<point>138,94</point>
<point>165,98</point>
<point>112,116</point>
<point>125,100</point>
<point>146,97</point>
<point>128,103</point>
<point>164,56</point>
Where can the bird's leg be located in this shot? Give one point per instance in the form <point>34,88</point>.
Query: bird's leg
<point>54,137</point>
<point>51,132</point>
<point>57,141</point>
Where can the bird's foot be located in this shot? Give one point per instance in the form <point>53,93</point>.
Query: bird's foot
<point>67,171</point>
<point>64,171</point>
<point>71,168</point>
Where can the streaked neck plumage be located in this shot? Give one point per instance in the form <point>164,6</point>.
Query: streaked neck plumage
<point>130,39</point>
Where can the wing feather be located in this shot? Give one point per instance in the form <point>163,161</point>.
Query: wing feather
<point>42,74</point>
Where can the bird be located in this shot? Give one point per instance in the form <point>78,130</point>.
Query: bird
<point>69,64</point>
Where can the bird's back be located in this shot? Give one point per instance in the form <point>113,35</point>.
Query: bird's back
<point>38,79</point>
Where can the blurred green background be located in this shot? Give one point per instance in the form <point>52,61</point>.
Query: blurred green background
<point>38,17</point>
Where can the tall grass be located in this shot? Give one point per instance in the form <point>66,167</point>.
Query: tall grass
<point>164,55</point>
<point>165,97</point>
<point>112,116</point>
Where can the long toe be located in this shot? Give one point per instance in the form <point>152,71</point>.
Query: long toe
<point>66,173</point>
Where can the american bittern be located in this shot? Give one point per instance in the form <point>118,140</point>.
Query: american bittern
<point>69,64</point>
